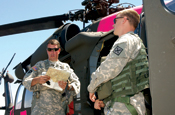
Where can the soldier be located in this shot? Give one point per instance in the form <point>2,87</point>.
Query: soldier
<point>47,101</point>
<point>125,71</point>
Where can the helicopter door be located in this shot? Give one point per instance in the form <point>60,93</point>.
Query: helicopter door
<point>28,101</point>
<point>160,33</point>
<point>18,100</point>
<point>23,101</point>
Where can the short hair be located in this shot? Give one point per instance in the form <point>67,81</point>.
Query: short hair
<point>132,15</point>
<point>54,42</point>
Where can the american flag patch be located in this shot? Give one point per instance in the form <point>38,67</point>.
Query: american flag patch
<point>34,68</point>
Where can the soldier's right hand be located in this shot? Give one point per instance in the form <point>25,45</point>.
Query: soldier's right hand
<point>43,79</point>
<point>98,104</point>
<point>40,79</point>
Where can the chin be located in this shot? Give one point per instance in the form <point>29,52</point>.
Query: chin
<point>115,34</point>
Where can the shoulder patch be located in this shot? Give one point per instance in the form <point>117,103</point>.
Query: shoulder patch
<point>34,68</point>
<point>117,50</point>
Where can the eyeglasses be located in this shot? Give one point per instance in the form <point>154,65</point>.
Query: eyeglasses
<point>118,18</point>
<point>54,49</point>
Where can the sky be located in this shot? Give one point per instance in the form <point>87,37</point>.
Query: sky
<point>26,43</point>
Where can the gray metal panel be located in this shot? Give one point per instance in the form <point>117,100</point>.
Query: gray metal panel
<point>160,31</point>
<point>80,48</point>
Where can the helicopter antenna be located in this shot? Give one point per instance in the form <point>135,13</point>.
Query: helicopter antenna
<point>131,5</point>
<point>3,70</point>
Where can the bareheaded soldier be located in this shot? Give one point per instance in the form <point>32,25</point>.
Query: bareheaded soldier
<point>49,101</point>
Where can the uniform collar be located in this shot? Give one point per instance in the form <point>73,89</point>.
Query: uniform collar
<point>130,32</point>
<point>53,63</point>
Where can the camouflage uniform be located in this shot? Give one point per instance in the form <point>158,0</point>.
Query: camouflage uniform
<point>48,101</point>
<point>124,50</point>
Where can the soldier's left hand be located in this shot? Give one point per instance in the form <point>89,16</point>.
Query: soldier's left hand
<point>70,87</point>
<point>92,97</point>
<point>62,84</point>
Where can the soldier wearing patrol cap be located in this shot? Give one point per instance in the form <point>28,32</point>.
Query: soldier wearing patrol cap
<point>125,71</point>
<point>48,101</point>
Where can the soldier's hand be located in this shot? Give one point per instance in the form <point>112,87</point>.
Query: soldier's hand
<point>62,84</point>
<point>70,87</point>
<point>98,104</point>
<point>92,97</point>
<point>102,104</point>
<point>43,79</point>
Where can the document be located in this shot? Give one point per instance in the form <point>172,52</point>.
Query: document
<point>55,76</point>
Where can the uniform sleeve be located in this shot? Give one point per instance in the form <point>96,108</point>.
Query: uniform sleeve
<point>112,66</point>
<point>27,80</point>
<point>74,81</point>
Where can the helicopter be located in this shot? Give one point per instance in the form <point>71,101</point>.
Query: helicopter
<point>97,38</point>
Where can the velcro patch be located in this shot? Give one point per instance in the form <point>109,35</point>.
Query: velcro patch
<point>34,68</point>
<point>118,50</point>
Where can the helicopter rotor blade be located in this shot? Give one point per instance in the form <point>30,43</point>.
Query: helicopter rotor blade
<point>1,75</point>
<point>0,78</point>
<point>33,25</point>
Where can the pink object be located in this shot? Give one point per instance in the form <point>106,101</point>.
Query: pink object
<point>12,111</point>
<point>23,113</point>
<point>106,24</point>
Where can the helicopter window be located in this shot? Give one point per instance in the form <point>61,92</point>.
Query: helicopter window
<point>95,59</point>
<point>19,97</point>
<point>169,5</point>
<point>28,99</point>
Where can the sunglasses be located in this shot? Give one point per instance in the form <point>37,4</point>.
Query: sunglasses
<point>118,18</point>
<point>54,49</point>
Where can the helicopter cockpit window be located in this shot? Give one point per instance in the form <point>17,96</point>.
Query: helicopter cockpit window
<point>28,99</point>
<point>169,5</point>
<point>19,97</point>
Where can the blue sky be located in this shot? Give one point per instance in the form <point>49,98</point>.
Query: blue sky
<point>25,44</point>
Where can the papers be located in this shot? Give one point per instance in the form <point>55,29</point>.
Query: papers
<point>55,76</point>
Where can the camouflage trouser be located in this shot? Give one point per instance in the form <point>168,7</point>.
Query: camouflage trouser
<point>120,109</point>
<point>44,105</point>
<point>40,111</point>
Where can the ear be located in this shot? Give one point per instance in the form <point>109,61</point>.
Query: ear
<point>59,50</point>
<point>124,20</point>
